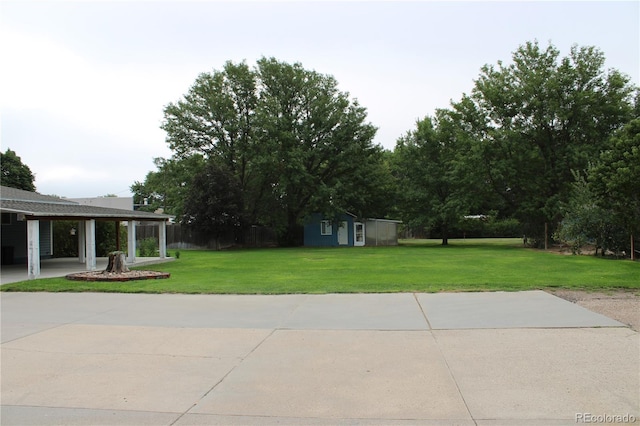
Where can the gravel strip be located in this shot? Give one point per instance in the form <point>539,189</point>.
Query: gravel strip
<point>621,305</point>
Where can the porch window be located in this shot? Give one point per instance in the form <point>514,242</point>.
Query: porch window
<point>325,227</point>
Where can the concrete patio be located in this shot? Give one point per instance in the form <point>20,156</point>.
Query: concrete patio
<point>59,267</point>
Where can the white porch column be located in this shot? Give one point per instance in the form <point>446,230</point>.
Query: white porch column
<point>82,248</point>
<point>131,241</point>
<point>90,243</point>
<point>162,239</point>
<point>33,248</point>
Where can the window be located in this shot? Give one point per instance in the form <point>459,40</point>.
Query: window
<point>325,227</point>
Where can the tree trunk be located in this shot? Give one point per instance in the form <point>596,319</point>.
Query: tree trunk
<point>546,236</point>
<point>445,234</point>
<point>291,233</point>
<point>116,263</point>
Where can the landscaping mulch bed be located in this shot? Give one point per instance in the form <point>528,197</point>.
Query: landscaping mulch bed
<point>123,276</point>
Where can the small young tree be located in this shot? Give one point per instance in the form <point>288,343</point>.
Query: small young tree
<point>584,219</point>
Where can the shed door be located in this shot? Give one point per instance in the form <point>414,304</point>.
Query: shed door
<point>358,234</point>
<point>343,234</point>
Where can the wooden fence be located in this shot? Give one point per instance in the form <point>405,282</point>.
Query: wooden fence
<point>182,237</point>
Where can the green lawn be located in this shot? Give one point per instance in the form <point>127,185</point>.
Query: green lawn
<point>417,265</point>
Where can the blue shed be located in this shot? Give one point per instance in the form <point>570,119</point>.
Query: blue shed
<point>341,231</point>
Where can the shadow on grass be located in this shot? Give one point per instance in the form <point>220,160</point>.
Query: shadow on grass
<point>476,243</point>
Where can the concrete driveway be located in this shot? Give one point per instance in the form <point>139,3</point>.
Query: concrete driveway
<point>526,358</point>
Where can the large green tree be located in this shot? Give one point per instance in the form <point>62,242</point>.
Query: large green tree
<point>437,188</point>
<point>315,144</point>
<point>14,173</point>
<point>538,118</point>
<point>293,142</point>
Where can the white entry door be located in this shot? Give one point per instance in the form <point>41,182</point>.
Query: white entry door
<point>343,234</point>
<point>358,234</point>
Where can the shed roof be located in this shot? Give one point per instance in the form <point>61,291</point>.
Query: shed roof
<point>38,206</point>
<point>383,220</point>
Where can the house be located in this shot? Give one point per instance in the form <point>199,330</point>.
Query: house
<point>122,203</point>
<point>346,230</point>
<point>27,232</point>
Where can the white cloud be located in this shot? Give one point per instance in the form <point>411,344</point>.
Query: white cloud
<point>119,100</point>
<point>70,175</point>
<point>37,72</point>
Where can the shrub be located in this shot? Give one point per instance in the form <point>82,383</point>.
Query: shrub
<point>508,227</point>
<point>148,247</point>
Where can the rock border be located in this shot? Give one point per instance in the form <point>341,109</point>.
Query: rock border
<point>124,276</point>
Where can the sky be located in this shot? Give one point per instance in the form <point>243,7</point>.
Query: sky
<point>83,84</point>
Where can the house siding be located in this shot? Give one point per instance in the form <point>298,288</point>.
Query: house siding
<point>46,239</point>
<point>314,238</point>
<point>14,241</point>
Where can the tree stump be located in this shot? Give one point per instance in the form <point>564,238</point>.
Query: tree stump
<point>116,263</point>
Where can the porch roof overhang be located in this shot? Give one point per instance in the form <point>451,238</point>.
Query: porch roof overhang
<point>42,207</point>
<point>39,211</point>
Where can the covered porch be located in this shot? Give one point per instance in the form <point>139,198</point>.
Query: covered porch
<point>23,212</point>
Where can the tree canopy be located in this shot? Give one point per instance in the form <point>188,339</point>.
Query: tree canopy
<point>216,206</point>
<point>168,187</point>
<point>539,118</point>
<point>430,166</point>
<point>292,142</point>
<point>14,173</point>
<point>541,140</point>
<point>615,178</point>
